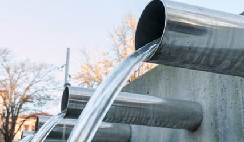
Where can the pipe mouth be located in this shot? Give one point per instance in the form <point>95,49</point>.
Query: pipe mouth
<point>37,124</point>
<point>151,25</point>
<point>65,100</point>
<point>22,135</point>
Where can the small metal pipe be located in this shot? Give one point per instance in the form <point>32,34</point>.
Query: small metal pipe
<point>106,133</point>
<point>49,140</point>
<point>193,37</point>
<point>26,133</point>
<point>138,109</point>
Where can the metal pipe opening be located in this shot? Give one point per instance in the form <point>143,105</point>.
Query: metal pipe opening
<point>65,98</point>
<point>151,24</point>
<point>193,37</point>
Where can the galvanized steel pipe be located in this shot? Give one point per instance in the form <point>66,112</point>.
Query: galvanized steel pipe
<point>107,132</point>
<point>193,37</point>
<point>137,109</point>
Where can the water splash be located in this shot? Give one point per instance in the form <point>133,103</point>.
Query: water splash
<point>43,132</point>
<point>27,138</point>
<point>100,102</point>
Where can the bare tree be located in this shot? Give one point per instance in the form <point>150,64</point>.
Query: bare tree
<point>122,39</point>
<point>92,70</point>
<point>24,86</point>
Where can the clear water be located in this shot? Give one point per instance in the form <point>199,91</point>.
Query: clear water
<point>43,132</point>
<point>100,102</point>
<point>27,138</point>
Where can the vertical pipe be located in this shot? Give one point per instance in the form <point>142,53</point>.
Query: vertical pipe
<point>66,80</point>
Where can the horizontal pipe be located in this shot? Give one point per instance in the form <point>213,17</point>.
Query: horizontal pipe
<point>193,37</point>
<point>137,109</point>
<point>52,140</point>
<point>47,140</point>
<point>107,132</point>
<point>27,133</point>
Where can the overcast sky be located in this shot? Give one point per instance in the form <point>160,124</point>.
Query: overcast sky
<point>41,30</point>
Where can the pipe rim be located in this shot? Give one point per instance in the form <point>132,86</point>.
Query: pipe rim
<point>22,135</point>
<point>65,100</point>
<point>37,124</point>
<point>152,24</point>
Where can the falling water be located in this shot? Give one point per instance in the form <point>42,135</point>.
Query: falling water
<point>42,133</point>
<point>27,138</point>
<point>100,102</point>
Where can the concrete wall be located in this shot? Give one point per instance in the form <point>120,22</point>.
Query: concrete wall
<point>221,96</point>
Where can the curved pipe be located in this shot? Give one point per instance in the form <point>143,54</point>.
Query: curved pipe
<point>106,133</point>
<point>193,37</point>
<point>137,109</point>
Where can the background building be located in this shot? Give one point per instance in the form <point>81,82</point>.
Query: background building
<point>28,125</point>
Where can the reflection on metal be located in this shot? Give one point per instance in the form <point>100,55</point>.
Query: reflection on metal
<point>193,37</point>
<point>138,109</point>
<point>106,133</point>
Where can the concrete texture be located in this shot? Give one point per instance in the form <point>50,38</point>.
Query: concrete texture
<point>221,96</point>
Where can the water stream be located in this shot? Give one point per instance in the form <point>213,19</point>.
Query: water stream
<point>100,102</point>
<point>43,132</point>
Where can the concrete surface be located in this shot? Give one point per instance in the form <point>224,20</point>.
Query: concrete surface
<point>221,96</point>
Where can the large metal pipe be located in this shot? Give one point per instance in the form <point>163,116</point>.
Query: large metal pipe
<point>137,109</point>
<point>107,132</point>
<point>193,37</point>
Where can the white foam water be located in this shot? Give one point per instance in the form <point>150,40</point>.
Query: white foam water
<point>100,102</point>
<point>43,132</point>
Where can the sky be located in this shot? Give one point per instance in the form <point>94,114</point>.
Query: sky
<point>41,30</point>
